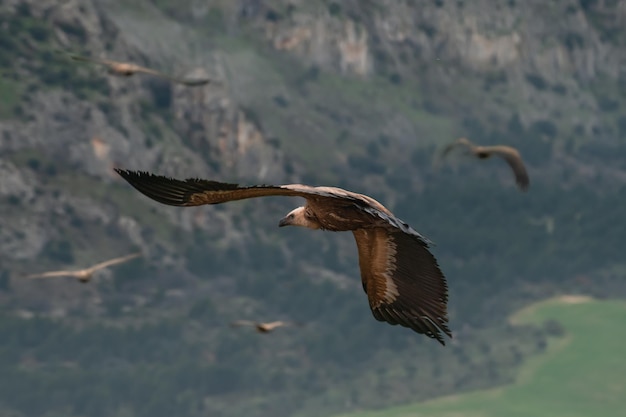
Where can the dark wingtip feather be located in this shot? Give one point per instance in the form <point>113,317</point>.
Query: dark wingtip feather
<point>423,292</point>
<point>523,183</point>
<point>159,188</point>
<point>175,192</point>
<point>421,325</point>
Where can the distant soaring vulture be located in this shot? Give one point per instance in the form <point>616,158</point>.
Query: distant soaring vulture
<point>261,327</point>
<point>509,154</point>
<point>127,69</point>
<point>84,275</point>
<point>403,282</point>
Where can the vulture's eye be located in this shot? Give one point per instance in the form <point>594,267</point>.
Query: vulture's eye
<point>290,217</point>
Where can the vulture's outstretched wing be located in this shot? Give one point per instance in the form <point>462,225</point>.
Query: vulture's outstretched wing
<point>403,282</point>
<point>240,323</point>
<point>52,274</point>
<point>274,324</point>
<point>115,261</point>
<point>196,192</point>
<point>514,159</point>
<point>121,67</point>
<point>95,60</point>
<point>461,142</point>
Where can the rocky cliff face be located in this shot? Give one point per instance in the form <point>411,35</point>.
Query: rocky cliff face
<point>533,56</point>
<point>304,91</point>
<point>269,121</point>
<point>60,133</point>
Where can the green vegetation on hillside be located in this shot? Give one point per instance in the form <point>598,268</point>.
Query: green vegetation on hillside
<point>581,374</point>
<point>192,364</point>
<point>29,61</point>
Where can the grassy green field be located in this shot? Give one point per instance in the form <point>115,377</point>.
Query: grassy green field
<point>581,374</point>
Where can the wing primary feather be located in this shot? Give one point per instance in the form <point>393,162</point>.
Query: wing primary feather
<point>420,291</point>
<point>171,191</point>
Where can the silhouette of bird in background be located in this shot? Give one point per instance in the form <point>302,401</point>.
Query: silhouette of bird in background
<point>262,327</point>
<point>126,69</point>
<point>85,275</point>
<point>546,221</point>
<point>401,278</point>
<point>508,153</point>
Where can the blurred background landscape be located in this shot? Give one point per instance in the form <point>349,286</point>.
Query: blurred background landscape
<point>356,94</point>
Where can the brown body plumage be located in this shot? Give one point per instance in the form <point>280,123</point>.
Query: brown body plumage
<point>85,275</point>
<point>126,69</point>
<point>508,153</point>
<point>403,282</point>
<point>262,327</point>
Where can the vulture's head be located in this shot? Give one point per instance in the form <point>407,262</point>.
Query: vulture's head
<point>297,217</point>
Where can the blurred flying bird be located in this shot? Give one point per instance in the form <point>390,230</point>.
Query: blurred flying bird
<point>126,69</point>
<point>401,278</point>
<point>509,154</point>
<point>261,327</point>
<point>546,221</point>
<point>85,275</point>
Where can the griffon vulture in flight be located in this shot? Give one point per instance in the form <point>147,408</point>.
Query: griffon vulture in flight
<point>403,282</point>
<point>261,327</point>
<point>509,154</point>
<point>126,69</point>
<point>85,275</point>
